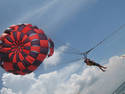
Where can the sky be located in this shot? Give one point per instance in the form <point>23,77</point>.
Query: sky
<point>75,26</point>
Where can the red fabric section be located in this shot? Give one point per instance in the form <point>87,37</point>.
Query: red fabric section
<point>14,27</point>
<point>14,58</point>
<point>13,50</point>
<point>30,59</point>
<point>21,66</point>
<point>32,68</point>
<point>18,35</point>
<point>20,72</point>
<point>34,37</point>
<point>26,29</point>
<point>29,25</point>
<point>10,54</point>
<point>27,44</point>
<point>44,43</point>
<point>24,38</point>
<point>26,51</point>
<point>35,48</point>
<point>8,66</point>
<point>41,57</point>
<point>7,42</point>
<point>21,57</point>
<point>4,50</point>
<point>39,31</point>
<point>12,37</point>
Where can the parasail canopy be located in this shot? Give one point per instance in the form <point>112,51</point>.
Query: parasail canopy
<point>26,47</point>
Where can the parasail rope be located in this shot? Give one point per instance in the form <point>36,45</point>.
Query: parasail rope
<point>113,33</point>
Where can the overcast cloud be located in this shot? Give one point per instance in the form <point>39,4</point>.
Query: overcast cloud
<point>67,80</point>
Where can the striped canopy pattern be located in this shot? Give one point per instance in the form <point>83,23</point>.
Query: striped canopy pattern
<point>26,46</point>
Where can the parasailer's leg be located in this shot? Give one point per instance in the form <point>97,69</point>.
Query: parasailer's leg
<point>101,67</point>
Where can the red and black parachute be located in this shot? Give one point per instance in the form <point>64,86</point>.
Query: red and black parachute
<point>26,46</point>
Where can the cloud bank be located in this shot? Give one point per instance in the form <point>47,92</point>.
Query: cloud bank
<point>68,80</point>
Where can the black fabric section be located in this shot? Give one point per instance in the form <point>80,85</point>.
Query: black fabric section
<point>9,39</point>
<point>26,63</point>
<point>35,42</point>
<point>11,58</point>
<point>17,58</point>
<point>4,57</point>
<point>6,45</point>
<point>15,66</point>
<point>42,37</point>
<point>27,47</point>
<point>15,35</point>
<point>20,28</point>
<point>11,49</point>
<point>30,32</point>
<point>51,43</point>
<point>26,40</point>
<point>11,71</point>
<point>26,71</point>
<point>15,73</point>
<point>1,66</point>
<point>23,54</point>
<point>8,31</point>
<point>44,50</point>
<point>33,54</point>
<point>35,27</point>
<point>36,63</point>
<point>21,36</point>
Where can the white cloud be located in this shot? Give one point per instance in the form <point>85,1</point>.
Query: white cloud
<point>15,82</point>
<point>67,81</point>
<point>110,80</point>
<point>53,60</point>
<point>29,84</point>
<point>6,91</point>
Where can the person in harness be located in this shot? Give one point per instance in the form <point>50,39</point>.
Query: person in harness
<point>92,63</point>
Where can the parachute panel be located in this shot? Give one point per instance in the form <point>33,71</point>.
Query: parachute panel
<point>27,46</point>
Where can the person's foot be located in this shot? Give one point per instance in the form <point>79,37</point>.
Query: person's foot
<point>104,67</point>
<point>103,70</point>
